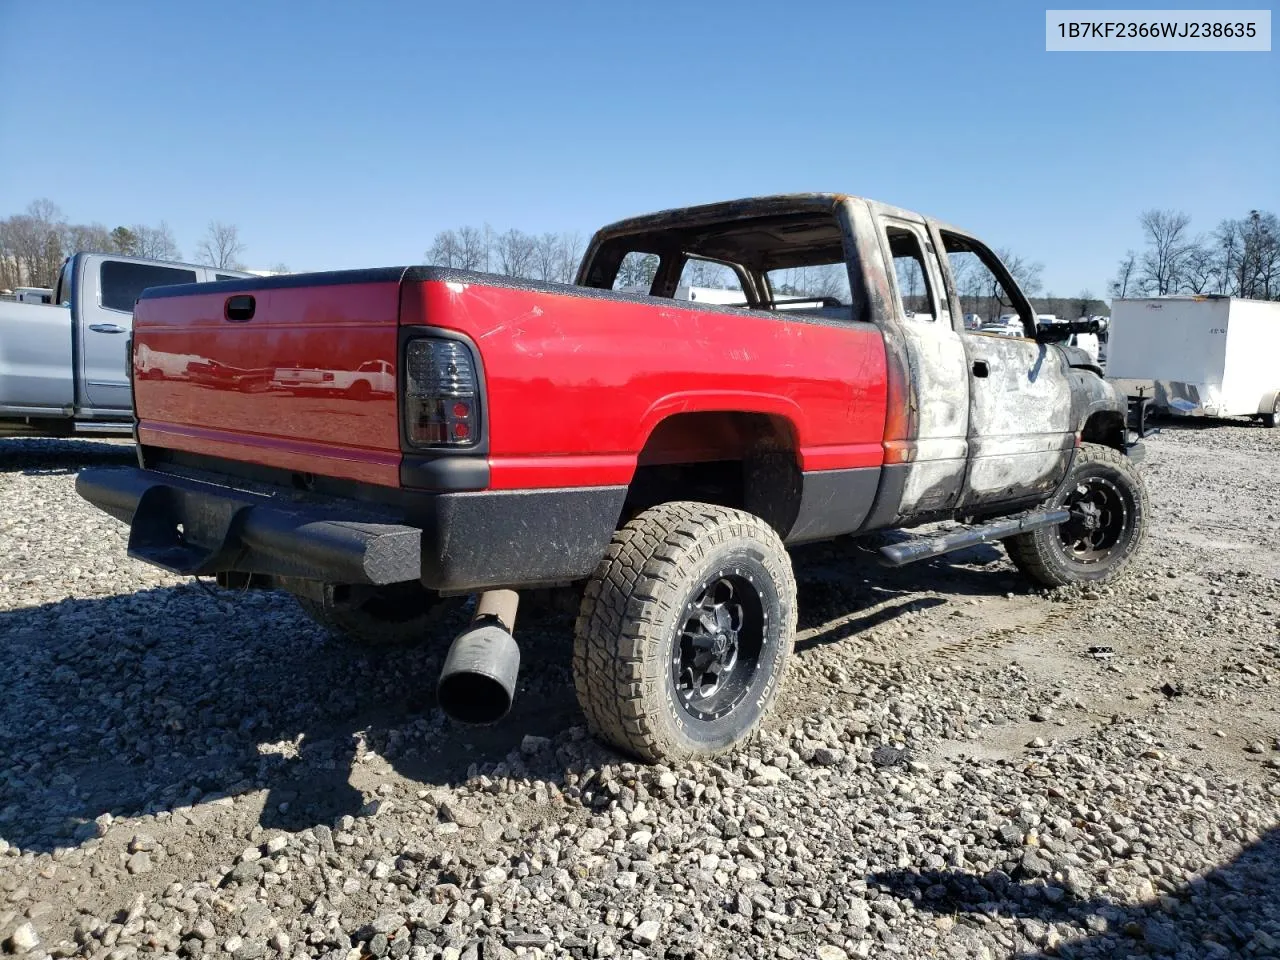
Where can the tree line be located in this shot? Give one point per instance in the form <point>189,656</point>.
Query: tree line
<point>1239,258</point>
<point>34,243</point>
<point>552,257</point>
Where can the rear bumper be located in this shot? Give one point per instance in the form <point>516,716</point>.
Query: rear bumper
<point>447,541</point>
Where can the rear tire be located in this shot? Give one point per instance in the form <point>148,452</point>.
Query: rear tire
<point>684,632</point>
<point>1272,419</point>
<point>399,615</point>
<point>1109,507</point>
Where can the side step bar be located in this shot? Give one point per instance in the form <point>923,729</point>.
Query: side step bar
<point>922,548</point>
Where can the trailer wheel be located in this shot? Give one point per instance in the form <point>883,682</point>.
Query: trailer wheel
<point>684,632</point>
<point>1272,419</point>
<point>1109,507</point>
<point>399,615</point>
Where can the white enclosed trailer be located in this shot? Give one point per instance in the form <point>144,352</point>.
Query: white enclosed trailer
<point>1205,356</point>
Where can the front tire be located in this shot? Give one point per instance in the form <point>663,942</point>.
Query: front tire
<point>1109,506</point>
<point>399,615</point>
<point>684,632</point>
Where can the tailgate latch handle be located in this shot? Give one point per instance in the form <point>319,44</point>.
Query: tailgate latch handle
<point>240,308</point>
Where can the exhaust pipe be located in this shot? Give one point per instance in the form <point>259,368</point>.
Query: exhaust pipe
<point>478,680</point>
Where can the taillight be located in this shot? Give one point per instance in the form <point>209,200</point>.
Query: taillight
<point>441,397</point>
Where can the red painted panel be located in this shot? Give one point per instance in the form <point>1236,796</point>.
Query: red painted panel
<point>308,384</point>
<point>575,384</point>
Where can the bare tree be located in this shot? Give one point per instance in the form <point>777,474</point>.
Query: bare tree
<point>1199,269</point>
<point>1126,275</point>
<point>221,246</point>
<point>570,254</point>
<point>1162,262</point>
<point>820,281</point>
<point>1260,256</point>
<point>515,252</point>
<point>546,258</point>
<point>34,243</point>
<point>158,243</point>
<point>1226,240</point>
<point>473,248</point>
<point>489,240</point>
<point>910,282</point>
<point>9,273</point>
<point>960,269</point>
<point>1026,273</point>
<point>970,276</point>
<point>445,250</point>
<point>85,238</point>
<point>551,257</point>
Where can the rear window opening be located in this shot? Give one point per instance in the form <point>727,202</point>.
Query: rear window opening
<point>792,263</point>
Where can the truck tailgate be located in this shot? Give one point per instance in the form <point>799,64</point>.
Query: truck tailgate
<point>269,372</point>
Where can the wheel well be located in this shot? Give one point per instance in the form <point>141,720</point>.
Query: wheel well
<point>1105,427</point>
<point>733,459</point>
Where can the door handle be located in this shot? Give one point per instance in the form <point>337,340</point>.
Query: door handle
<point>980,368</point>
<point>106,328</point>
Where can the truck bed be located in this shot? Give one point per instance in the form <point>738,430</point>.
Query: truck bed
<point>574,380</point>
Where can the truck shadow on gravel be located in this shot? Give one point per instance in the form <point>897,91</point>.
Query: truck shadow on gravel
<point>844,592</point>
<point>37,456</point>
<point>1218,915</point>
<point>167,697</point>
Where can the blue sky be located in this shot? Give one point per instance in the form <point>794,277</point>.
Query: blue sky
<point>346,134</point>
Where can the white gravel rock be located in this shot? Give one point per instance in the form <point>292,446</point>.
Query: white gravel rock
<point>195,772</point>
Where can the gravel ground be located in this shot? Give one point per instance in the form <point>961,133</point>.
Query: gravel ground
<point>958,766</point>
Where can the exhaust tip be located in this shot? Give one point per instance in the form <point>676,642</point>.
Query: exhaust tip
<point>478,681</point>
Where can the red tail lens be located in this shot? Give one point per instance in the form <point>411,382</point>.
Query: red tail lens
<point>441,398</point>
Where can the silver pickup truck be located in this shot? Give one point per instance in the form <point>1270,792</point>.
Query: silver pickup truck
<point>63,364</point>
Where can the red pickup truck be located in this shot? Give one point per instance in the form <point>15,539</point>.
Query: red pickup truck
<point>655,454</point>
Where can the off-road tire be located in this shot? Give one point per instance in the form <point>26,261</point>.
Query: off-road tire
<point>401,617</point>
<point>1044,557</point>
<point>1272,419</point>
<point>636,608</point>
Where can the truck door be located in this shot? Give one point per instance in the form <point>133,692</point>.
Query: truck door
<point>1020,430</point>
<point>110,288</point>
<point>939,372</point>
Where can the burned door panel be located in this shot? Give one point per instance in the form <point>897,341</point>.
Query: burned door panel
<point>1021,430</point>
<point>937,463</point>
